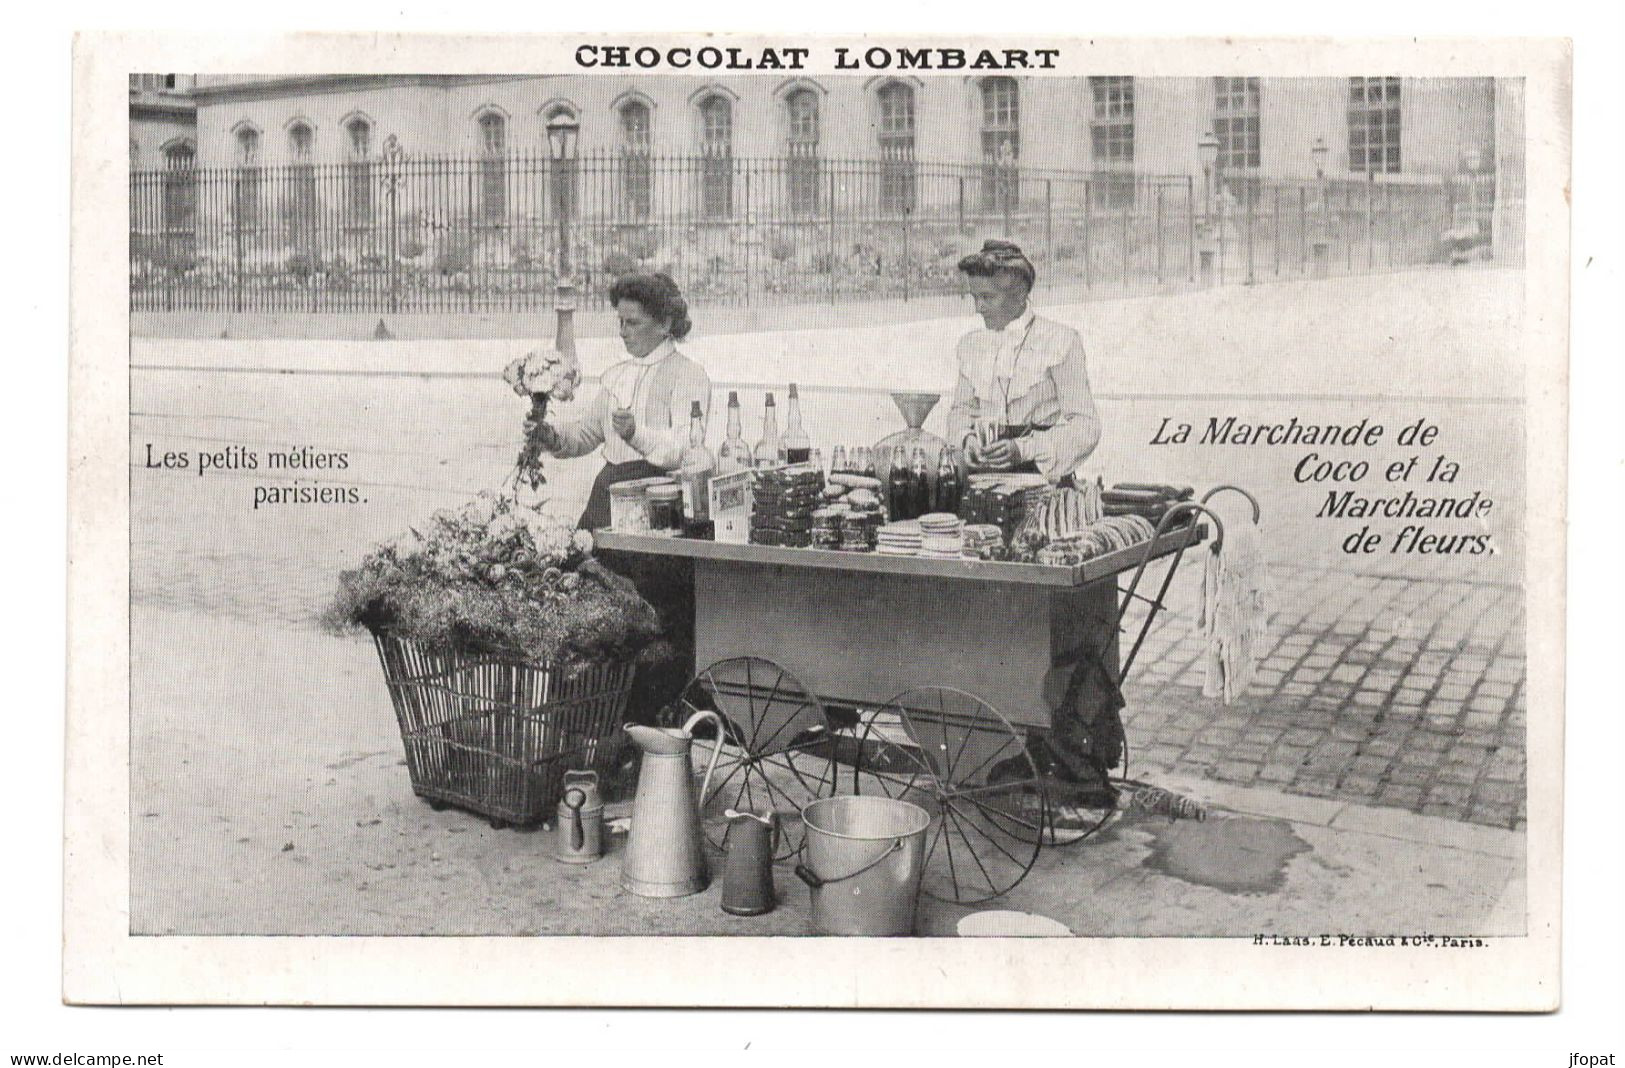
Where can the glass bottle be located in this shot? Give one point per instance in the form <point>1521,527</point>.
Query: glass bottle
<point>867,468</point>
<point>818,460</point>
<point>797,445</point>
<point>837,461</point>
<point>770,450</point>
<point>734,455</point>
<point>900,492</point>
<point>694,473</point>
<point>947,494</point>
<point>920,477</point>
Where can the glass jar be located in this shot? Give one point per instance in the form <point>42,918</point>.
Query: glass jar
<point>628,510</point>
<point>665,510</point>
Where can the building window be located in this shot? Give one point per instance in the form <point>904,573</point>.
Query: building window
<point>358,194</point>
<point>301,140</point>
<point>1111,139</point>
<point>493,167</point>
<point>896,132</point>
<point>637,186</point>
<point>246,179</point>
<point>1374,125</point>
<point>802,144</point>
<point>1235,127</point>
<point>1001,143</point>
<point>180,187</point>
<point>716,151</point>
<point>300,207</point>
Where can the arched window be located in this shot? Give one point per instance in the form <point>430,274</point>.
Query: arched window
<point>1001,142</point>
<point>716,147</point>
<point>493,129</point>
<point>358,186</point>
<point>801,107</point>
<point>895,130</point>
<point>300,208</point>
<point>301,142</point>
<point>637,185</point>
<point>247,178</point>
<point>180,186</point>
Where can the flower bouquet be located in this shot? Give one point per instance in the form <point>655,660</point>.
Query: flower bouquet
<point>508,652</point>
<point>540,375</point>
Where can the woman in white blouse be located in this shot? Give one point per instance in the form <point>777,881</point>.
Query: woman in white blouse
<point>1022,404</point>
<point>640,420</point>
<point>1022,400</point>
<point>640,416</point>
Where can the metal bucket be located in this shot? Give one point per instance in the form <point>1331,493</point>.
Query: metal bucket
<point>864,859</point>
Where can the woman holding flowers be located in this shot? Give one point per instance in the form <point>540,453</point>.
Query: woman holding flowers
<point>640,417</point>
<point>639,421</point>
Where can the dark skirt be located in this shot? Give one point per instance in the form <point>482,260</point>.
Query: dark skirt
<point>666,582</point>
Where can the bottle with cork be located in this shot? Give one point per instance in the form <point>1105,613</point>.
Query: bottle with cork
<point>770,450</point>
<point>694,472</point>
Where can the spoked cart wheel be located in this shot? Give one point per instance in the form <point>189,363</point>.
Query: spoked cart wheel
<point>956,756</point>
<point>777,754</point>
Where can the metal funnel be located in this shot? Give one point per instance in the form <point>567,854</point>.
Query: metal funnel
<point>915,407</point>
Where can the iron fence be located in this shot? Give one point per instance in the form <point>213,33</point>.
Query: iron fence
<point>494,233</point>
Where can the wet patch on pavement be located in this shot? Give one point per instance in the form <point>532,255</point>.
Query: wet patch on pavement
<point>1237,855</point>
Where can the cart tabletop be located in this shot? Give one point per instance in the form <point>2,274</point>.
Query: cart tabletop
<point>1092,570</point>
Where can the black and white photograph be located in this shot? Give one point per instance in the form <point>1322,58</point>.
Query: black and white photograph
<point>824,500</point>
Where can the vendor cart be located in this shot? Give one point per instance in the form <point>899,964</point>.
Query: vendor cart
<point>952,666</point>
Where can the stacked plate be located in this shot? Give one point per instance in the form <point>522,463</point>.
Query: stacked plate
<point>903,538</point>
<point>941,536</point>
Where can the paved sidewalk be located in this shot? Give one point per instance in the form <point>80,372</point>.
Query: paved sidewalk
<point>1356,701</point>
<point>285,809</point>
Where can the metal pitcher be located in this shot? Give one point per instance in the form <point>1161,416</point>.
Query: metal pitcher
<point>665,852</point>
<point>747,879</point>
<point>579,828</point>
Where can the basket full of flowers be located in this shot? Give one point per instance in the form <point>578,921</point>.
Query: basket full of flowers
<point>507,649</point>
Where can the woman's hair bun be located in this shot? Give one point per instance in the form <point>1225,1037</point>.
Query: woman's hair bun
<point>658,295</point>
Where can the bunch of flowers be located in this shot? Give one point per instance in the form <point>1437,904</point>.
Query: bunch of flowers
<point>497,577</point>
<point>540,375</point>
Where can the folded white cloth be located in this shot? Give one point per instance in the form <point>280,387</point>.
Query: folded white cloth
<point>1235,612</point>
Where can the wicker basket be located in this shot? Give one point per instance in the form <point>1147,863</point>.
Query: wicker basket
<point>496,736</point>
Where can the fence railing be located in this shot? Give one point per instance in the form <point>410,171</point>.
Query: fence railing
<point>495,233</point>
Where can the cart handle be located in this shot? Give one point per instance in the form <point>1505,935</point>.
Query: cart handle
<point>1183,508</point>
<point>1216,490</point>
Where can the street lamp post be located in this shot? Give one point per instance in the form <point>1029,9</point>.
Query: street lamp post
<point>393,156</point>
<point>562,129</point>
<point>1207,149</point>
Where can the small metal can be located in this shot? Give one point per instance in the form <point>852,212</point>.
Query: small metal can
<point>579,830</point>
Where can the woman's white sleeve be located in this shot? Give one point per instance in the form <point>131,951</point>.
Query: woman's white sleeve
<point>583,434</point>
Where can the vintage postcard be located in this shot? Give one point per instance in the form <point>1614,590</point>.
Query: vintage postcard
<point>712,520</point>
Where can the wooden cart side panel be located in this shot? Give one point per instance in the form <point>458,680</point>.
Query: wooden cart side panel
<point>861,638</point>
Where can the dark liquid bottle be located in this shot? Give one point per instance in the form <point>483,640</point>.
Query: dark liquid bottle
<point>900,496</point>
<point>920,475</point>
<point>837,461</point>
<point>868,468</point>
<point>797,445</point>
<point>947,496</point>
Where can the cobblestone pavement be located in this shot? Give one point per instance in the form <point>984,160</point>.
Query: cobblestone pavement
<point>1386,691</point>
